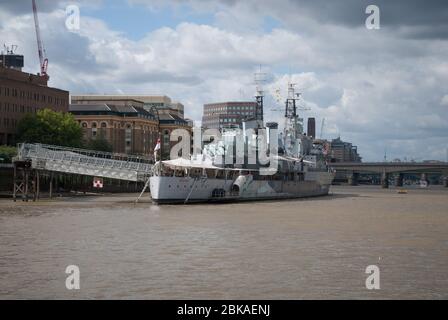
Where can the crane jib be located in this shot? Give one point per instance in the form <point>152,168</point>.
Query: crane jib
<point>40,49</point>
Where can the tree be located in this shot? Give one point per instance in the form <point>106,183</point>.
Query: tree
<point>50,127</point>
<point>7,153</point>
<point>99,144</point>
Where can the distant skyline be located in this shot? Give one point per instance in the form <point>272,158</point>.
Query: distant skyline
<point>380,89</point>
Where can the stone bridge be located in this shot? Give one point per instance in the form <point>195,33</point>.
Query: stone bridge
<point>385,169</point>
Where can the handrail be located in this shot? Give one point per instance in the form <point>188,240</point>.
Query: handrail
<point>89,153</point>
<point>87,160</point>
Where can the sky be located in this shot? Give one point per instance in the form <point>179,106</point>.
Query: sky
<point>385,90</point>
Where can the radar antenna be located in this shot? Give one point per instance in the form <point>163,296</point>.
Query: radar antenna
<point>10,49</point>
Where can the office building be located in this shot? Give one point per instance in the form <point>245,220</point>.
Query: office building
<point>311,127</point>
<point>22,93</point>
<point>342,151</point>
<point>227,114</point>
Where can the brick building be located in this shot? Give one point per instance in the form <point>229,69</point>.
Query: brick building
<point>129,124</point>
<point>22,93</point>
<point>129,129</point>
<point>168,123</point>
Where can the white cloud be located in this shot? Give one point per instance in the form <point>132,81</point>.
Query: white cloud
<point>444,100</point>
<point>374,89</point>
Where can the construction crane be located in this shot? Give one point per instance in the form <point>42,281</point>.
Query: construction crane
<point>40,48</point>
<point>322,128</point>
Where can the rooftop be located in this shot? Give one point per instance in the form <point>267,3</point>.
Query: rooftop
<point>106,108</point>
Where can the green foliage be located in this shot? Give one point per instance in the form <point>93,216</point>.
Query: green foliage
<point>50,127</point>
<point>99,144</point>
<point>7,153</point>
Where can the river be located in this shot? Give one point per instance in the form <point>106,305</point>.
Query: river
<point>315,248</point>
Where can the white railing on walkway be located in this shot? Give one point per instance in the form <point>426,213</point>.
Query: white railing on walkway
<point>85,162</point>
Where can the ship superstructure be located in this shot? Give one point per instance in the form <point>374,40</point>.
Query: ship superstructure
<point>254,162</point>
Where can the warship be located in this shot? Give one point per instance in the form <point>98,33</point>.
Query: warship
<point>296,166</point>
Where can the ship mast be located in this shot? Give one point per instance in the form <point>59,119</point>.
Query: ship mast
<point>259,79</point>
<point>293,128</point>
<point>293,125</point>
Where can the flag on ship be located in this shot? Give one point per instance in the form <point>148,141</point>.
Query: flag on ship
<point>156,148</point>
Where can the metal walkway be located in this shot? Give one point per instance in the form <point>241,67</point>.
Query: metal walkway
<point>85,162</point>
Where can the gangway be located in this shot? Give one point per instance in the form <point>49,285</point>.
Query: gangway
<point>85,162</point>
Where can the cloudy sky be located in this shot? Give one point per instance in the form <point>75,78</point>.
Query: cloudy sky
<point>383,90</point>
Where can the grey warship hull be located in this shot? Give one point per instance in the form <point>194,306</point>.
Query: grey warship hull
<point>187,189</point>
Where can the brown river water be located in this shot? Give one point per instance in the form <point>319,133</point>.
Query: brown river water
<point>315,248</point>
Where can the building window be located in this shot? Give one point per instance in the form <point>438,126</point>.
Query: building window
<point>166,137</point>
<point>103,125</point>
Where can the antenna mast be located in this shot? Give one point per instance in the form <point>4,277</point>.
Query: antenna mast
<point>291,107</point>
<point>40,48</point>
<point>259,78</point>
